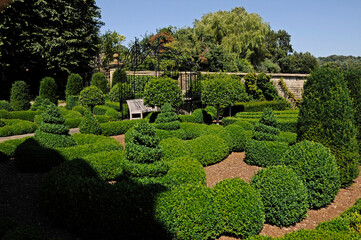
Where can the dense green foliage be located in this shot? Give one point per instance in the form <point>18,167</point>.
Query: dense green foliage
<point>266,129</point>
<point>16,127</point>
<point>91,96</point>
<point>119,76</point>
<point>5,105</point>
<point>48,90</point>
<point>159,91</point>
<point>20,96</point>
<point>143,153</point>
<point>52,132</point>
<point>353,78</point>
<point>209,149</point>
<point>74,85</point>
<point>99,80</point>
<point>120,91</point>
<point>283,194</point>
<point>317,168</point>
<point>259,106</point>
<point>259,87</point>
<point>40,38</point>
<point>90,125</point>
<point>326,116</point>
<point>167,119</point>
<point>196,212</point>
<point>265,153</point>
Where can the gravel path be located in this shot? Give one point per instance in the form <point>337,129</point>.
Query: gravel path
<point>234,166</point>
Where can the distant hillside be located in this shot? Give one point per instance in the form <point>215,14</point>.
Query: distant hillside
<point>341,61</point>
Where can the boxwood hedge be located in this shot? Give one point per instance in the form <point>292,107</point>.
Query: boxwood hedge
<point>283,194</point>
<point>17,127</point>
<point>174,148</point>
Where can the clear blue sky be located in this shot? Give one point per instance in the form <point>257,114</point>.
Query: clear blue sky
<point>321,27</point>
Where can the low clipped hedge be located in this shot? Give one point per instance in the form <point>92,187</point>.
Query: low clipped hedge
<point>197,212</point>
<point>118,127</point>
<point>209,149</point>
<point>317,167</point>
<point>265,153</point>
<point>233,120</point>
<point>283,194</point>
<point>5,105</point>
<point>22,115</point>
<point>198,116</point>
<point>184,170</point>
<point>101,109</point>
<point>256,106</point>
<point>238,137</point>
<point>17,127</point>
<point>287,137</point>
<point>174,148</point>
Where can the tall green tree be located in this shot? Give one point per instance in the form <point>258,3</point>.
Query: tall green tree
<point>326,116</point>
<point>47,38</point>
<point>111,43</point>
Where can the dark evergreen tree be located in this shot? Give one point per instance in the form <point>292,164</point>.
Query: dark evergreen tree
<point>326,116</point>
<point>99,80</point>
<point>20,96</point>
<point>48,90</point>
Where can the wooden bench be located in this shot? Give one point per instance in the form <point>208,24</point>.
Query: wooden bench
<point>137,108</point>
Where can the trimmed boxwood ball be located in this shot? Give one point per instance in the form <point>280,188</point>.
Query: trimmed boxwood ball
<point>283,194</point>
<point>238,138</point>
<point>192,130</point>
<point>241,208</point>
<point>52,132</point>
<point>174,148</point>
<point>317,167</point>
<point>265,153</point>
<point>90,125</point>
<point>82,110</point>
<point>209,149</point>
<point>184,170</point>
<point>189,212</point>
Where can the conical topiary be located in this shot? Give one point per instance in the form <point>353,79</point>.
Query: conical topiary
<point>90,125</point>
<point>167,119</point>
<point>52,132</point>
<point>143,153</point>
<point>266,129</point>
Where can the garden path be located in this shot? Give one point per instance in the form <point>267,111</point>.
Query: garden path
<point>234,166</point>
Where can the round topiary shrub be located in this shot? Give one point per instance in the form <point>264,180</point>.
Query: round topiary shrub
<point>317,168</point>
<point>209,149</point>
<point>202,116</point>
<point>82,110</point>
<point>326,116</point>
<point>90,125</point>
<point>159,91</point>
<point>174,148</point>
<point>189,212</point>
<point>91,96</point>
<point>237,136</point>
<point>74,85</point>
<point>184,170</point>
<point>212,111</point>
<point>100,80</point>
<point>241,208</point>
<point>48,90</point>
<point>167,119</point>
<point>120,91</point>
<point>20,96</point>
<point>40,104</point>
<point>283,194</point>
<point>52,132</point>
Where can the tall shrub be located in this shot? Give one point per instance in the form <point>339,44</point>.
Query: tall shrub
<point>48,90</point>
<point>326,116</point>
<point>99,80</point>
<point>52,132</point>
<point>119,76</point>
<point>74,85</point>
<point>20,96</point>
<point>353,78</point>
<point>266,129</point>
<point>89,124</point>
